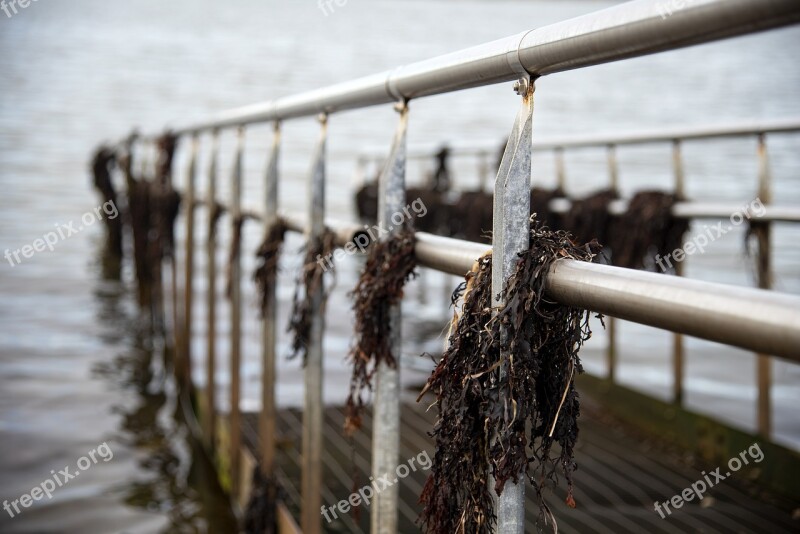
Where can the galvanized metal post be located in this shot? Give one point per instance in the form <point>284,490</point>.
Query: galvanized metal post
<point>268,334</point>
<point>561,175</point>
<point>677,339</point>
<point>764,262</point>
<point>185,354</point>
<point>211,296</point>
<point>611,322</point>
<point>311,486</point>
<point>236,319</point>
<point>510,236</point>
<point>386,417</point>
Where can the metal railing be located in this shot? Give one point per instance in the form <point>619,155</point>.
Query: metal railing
<point>624,31</point>
<point>677,138</point>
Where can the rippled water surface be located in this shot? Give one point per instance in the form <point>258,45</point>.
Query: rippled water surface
<point>76,369</point>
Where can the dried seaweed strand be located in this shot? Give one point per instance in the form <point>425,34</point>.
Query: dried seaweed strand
<point>484,413</point>
<point>310,278</point>
<point>389,266</point>
<point>268,255</point>
<point>647,228</point>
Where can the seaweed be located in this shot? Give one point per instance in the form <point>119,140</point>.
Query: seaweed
<point>260,514</point>
<point>233,252</point>
<point>589,218</point>
<point>471,216</point>
<point>309,281</point>
<point>441,181</point>
<point>540,206</point>
<point>646,229</point>
<point>505,390</point>
<point>103,162</point>
<point>389,266</point>
<point>268,254</point>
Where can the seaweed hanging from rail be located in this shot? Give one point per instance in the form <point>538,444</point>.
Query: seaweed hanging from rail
<point>500,372</point>
<point>589,218</point>
<point>319,252</point>
<point>648,228</point>
<point>756,239</point>
<point>540,206</point>
<point>260,514</point>
<point>234,251</point>
<point>103,162</point>
<point>389,266</point>
<point>166,198</point>
<point>268,255</point>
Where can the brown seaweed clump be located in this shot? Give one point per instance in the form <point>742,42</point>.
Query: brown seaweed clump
<point>647,229</point>
<point>540,206</point>
<point>389,266</point>
<point>260,515</point>
<point>268,255</point>
<point>102,164</point>
<point>309,281</point>
<point>589,219</point>
<point>505,370</point>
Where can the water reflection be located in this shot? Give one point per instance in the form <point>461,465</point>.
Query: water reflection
<point>180,482</point>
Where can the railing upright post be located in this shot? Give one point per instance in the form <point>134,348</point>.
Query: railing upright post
<point>611,322</point>
<point>268,335</point>
<point>311,485</point>
<point>561,175</point>
<point>510,236</point>
<point>211,296</point>
<point>236,318</point>
<point>184,361</point>
<point>677,339</point>
<point>764,262</point>
<point>386,417</point>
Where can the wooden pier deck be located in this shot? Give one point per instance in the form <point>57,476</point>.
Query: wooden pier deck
<point>620,476</point>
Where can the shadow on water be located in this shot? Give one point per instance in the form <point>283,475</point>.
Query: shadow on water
<point>180,482</point>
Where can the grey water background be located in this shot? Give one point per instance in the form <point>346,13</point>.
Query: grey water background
<point>74,369</point>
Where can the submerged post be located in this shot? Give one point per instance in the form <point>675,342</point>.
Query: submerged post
<point>510,237</point>
<point>386,426</point>
<point>312,414</point>
<point>211,295</point>
<point>185,354</point>
<point>764,263</point>
<point>236,317</point>
<point>268,337</point>
<point>677,339</point>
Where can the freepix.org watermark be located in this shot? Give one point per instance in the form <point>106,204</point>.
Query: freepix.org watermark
<point>329,6</point>
<point>710,234</point>
<point>57,480</point>
<point>701,486</point>
<point>63,231</point>
<point>9,7</point>
<point>666,9</point>
<point>366,493</point>
<point>361,241</point>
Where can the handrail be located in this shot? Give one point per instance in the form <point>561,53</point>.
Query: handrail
<point>769,322</point>
<point>620,32</point>
<point>753,319</point>
<point>666,135</point>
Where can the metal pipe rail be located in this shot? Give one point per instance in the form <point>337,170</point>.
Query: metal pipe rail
<point>621,32</point>
<point>698,210</point>
<point>752,319</point>
<point>666,135</point>
<point>769,323</point>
